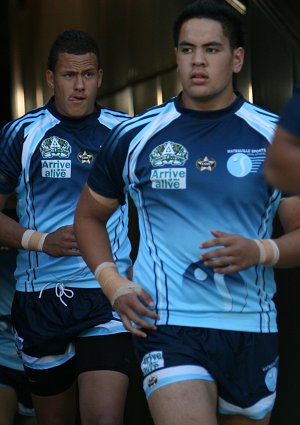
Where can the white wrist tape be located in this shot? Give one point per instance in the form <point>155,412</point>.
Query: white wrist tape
<point>126,289</point>
<point>41,241</point>
<point>103,266</point>
<point>25,238</point>
<point>276,252</point>
<point>113,284</point>
<point>268,251</point>
<point>33,241</point>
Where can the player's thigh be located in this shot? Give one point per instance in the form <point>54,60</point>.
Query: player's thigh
<point>242,420</point>
<point>8,405</point>
<point>184,402</point>
<point>104,365</point>
<point>54,393</point>
<point>102,395</point>
<point>58,409</point>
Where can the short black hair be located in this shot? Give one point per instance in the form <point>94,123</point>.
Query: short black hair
<point>216,10</point>
<point>75,42</point>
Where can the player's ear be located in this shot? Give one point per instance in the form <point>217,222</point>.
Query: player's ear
<point>100,76</point>
<point>238,59</point>
<point>50,78</point>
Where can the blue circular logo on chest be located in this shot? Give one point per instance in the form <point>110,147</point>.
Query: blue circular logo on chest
<point>239,165</point>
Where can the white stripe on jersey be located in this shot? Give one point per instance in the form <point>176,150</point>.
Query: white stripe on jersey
<point>259,121</point>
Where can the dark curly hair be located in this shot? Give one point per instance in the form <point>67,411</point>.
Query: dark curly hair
<point>75,42</point>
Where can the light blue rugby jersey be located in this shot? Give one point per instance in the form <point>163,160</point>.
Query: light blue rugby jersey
<point>45,158</point>
<point>190,172</point>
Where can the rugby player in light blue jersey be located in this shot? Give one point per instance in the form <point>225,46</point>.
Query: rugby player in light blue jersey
<point>202,308</point>
<point>65,326</point>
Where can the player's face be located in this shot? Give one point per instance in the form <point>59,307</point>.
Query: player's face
<point>75,82</point>
<point>206,64</point>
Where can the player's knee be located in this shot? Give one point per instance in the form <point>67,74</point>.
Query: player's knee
<point>103,418</point>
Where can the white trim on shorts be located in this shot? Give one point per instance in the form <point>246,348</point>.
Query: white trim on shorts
<point>109,328</point>
<point>25,411</point>
<point>48,362</point>
<point>171,375</point>
<point>256,412</point>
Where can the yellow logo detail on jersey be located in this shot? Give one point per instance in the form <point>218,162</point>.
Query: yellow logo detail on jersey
<point>168,178</point>
<point>55,146</point>
<point>85,157</point>
<point>206,164</point>
<point>169,153</point>
<point>54,168</point>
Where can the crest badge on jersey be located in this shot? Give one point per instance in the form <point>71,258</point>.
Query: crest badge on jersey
<point>169,155</point>
<point>55,147</point>
<point>60,149</point>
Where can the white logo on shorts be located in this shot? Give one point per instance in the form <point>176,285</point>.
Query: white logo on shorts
<point>152,361</point>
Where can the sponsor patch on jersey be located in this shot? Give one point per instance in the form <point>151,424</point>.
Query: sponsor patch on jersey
<point>168,153</point>
<point>55,147</point>
<point>56,169</point>
<point>168,178</point>
<point>206,164</point>
<point>241,162</point>
<point>85,157</point>
<point>152,361</point>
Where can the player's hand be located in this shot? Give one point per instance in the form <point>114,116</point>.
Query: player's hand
<point>132,308</point>
<point>61,243</point>
<point>232,254</point>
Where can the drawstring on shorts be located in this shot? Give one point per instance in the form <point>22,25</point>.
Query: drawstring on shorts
<point>60,291</point>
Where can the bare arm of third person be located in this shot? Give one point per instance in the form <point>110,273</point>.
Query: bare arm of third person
<point>129,299</point>
<point>59,243</point>
<point>233,252</point>
<point>282,163</point>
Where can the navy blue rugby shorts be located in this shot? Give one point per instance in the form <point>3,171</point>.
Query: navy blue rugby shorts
<point>46,325</point>
<point>244,365</point>
<point>92,353</point>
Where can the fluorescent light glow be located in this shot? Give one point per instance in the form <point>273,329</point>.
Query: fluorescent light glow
<point>239,6</point>
<point>250,93</point>
<point>18,102</point>
<point>159,96</point>
<point>130,101</point>
<point>39,96</point>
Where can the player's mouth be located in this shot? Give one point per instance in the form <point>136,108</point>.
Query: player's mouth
<point>76,99</point>
<point>199,77</point>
